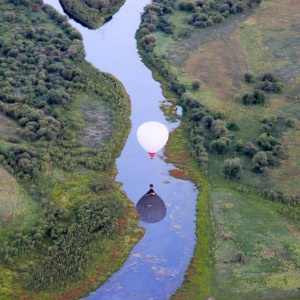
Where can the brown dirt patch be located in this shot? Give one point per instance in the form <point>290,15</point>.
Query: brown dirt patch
<point>278,22</point>
<point>221,69</point>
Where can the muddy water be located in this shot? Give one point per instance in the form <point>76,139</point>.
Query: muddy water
<point>156,266</point>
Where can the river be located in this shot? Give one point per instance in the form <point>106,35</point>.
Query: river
<point>156,265</point>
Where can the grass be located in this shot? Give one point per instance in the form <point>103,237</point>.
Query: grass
<point>229,222</point>
<point>16,206</point>
<point>270,245</point>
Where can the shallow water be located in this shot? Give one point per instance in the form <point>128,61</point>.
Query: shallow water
<point>156,265</point>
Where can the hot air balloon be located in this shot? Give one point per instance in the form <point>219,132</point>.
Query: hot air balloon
<point>152,136</point>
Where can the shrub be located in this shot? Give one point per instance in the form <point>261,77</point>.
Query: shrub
<point>187,6</point>
<point>196,85</point>
<point>248,99</point>
<point>250,149</point>
<point>259,97</point>
<point>207,121</point>
<point>270,120</point>
<point>266,142</point>
<point>260,161</point>
<point>240,257</point>
<point>269,77</point>
<point>219,128</point>
<point>223,8</point>
<point>220,145</point>
<point>291,122</point>
<point>240,7</point>
<point>231,168</point>
<point>239,147</point>
<point>272,87</point>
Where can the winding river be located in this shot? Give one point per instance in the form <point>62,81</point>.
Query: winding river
<point>156,265</point>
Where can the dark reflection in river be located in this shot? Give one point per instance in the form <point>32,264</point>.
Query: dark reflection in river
<point>151,208</point>
<point>156,265</point>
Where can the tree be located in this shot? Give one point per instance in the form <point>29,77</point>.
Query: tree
<point>196,85</point>
<point>250,149</point>
<point>207,121</point>
<point>219,128</point>
<point>248,77</point>
<point>220,145</point>
<point>248,99</point>
<point>266,141</point>
<point>260,161</point>
<point>240,257</point>
<point>231,168</point>
<point>259,97</point>
<point>269,77</point>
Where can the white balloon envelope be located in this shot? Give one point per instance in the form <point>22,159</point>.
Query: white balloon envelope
<point>152,136</point>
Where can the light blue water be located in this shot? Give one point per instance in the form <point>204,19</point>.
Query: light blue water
<point>156,265</point>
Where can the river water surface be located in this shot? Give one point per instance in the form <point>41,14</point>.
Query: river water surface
<point>156,265</point>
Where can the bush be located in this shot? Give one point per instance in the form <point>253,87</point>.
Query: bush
<point>266,142</point>
<point>260,161</point>
<point>259,97</point>
<point>208,121</point>
<point>269,77</point>
<point>231,168</point>
<point>250,149</point>
<point>196,85</point>
<point>219,128</point>
<point>239,147</point>
<point>220,145</point>
<point>291,122</point>
<point>248,77</point>
<point>187,6</point>
<point>272,87</point>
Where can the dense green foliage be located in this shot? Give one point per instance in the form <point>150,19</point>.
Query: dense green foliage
<point>91,13</point>
<point>38,84</point>
<point>65,242</point>
<point>43,75</point>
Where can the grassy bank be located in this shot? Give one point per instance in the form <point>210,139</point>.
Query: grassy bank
<point>197,281</point>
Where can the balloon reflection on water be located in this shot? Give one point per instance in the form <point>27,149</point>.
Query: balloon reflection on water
<point>151,208</point>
